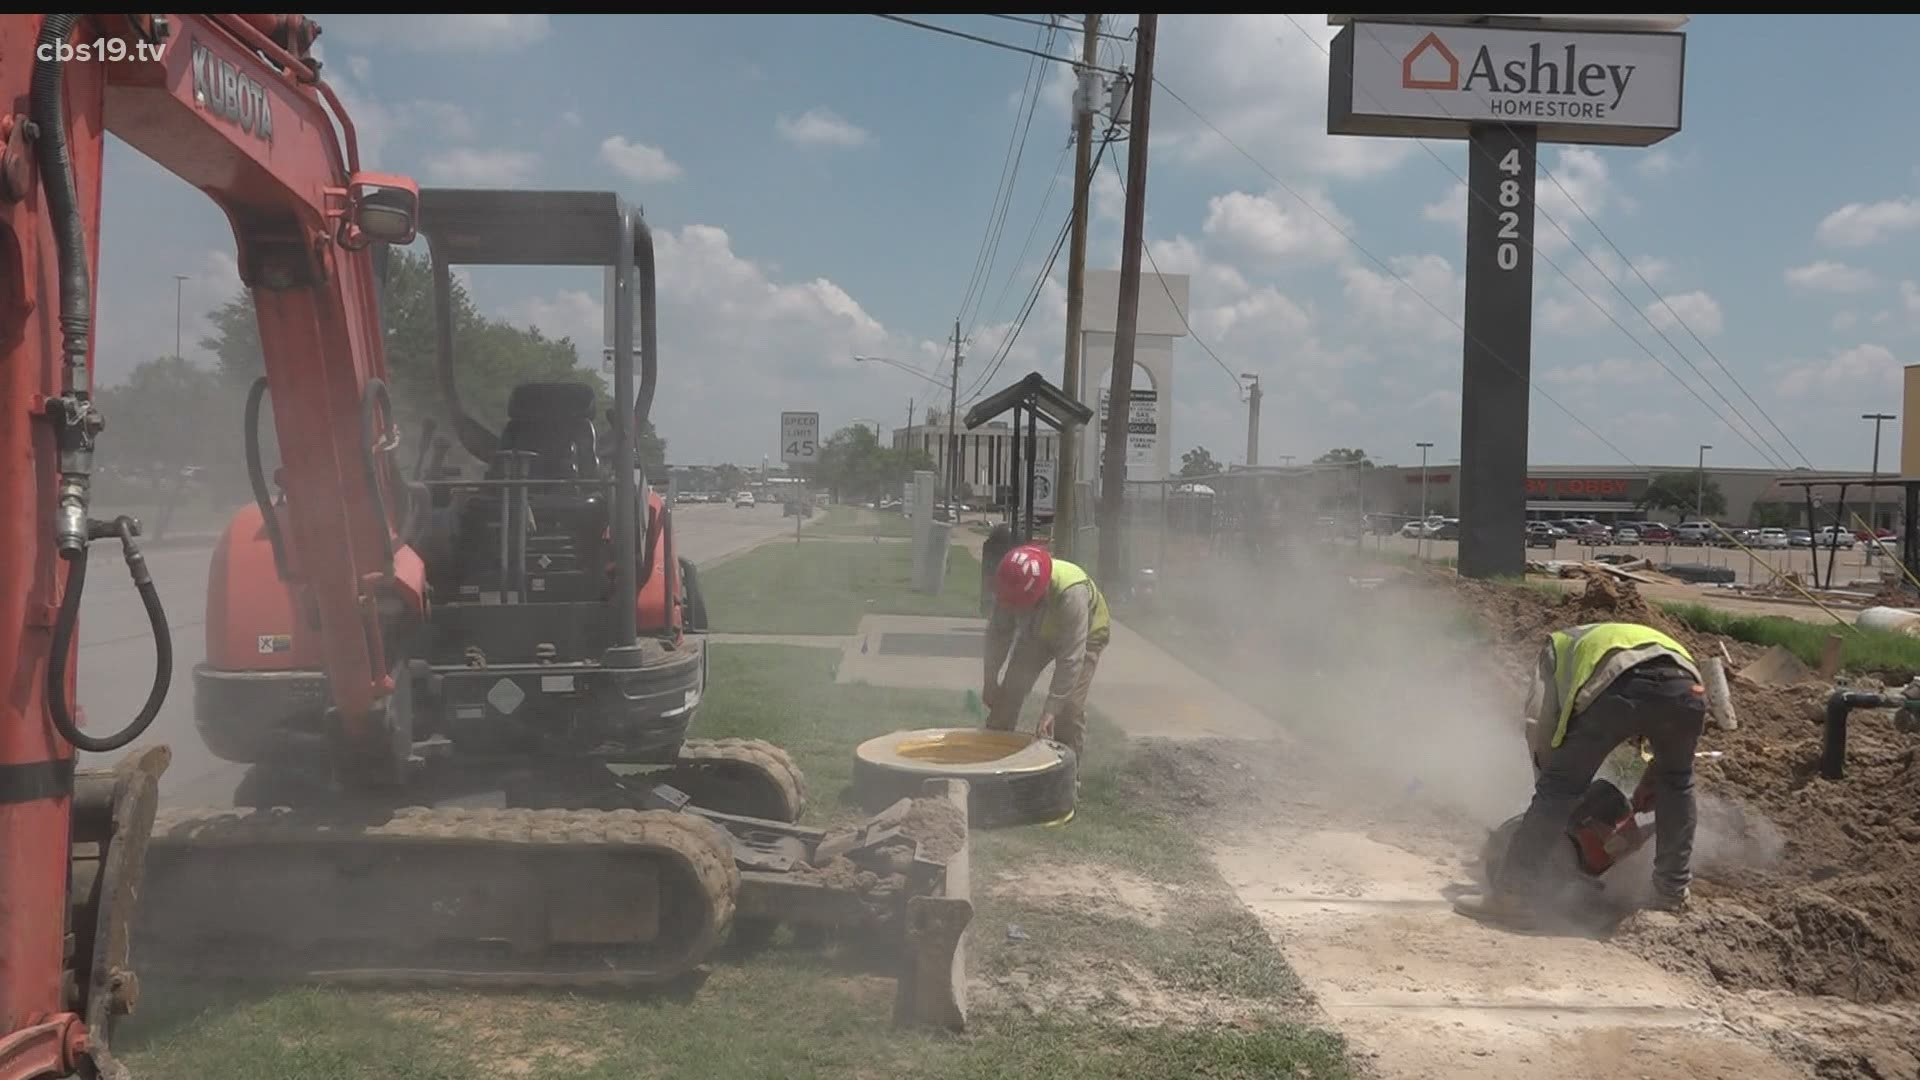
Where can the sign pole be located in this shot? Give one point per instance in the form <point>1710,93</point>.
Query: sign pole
<point>1497,352</point>
<point>1503,84</point>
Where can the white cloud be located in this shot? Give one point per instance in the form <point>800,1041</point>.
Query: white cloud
<point>571,118</point>
<point>1696,309</point>
<point>1384,306</point>
<point>1910,296</point>
<point>440,33</point>
<point>1259,80</point>
<point>1276,226</point>
<point>738,344</point>
<point>1846,320</point>
<point>1825,275</point>
<point>1862,369</point>
<point>469,166</point>
<point>820,127</point>
<point>638,161</point>
<point>1861,224</point>
<point>1655,163</point>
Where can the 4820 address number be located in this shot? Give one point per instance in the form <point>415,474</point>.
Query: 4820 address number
<point>1507,255</point>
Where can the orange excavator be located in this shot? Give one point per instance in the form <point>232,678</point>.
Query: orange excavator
<point>613,882</point>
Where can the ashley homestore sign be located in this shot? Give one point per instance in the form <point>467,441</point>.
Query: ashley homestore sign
<point>1576,87</point>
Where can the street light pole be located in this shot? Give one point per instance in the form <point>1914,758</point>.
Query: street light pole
<point>1253,417</point>
<point>1700,493</point>
<point>1873,490</point>
<point>179,283</point>
<point>1422,546</point>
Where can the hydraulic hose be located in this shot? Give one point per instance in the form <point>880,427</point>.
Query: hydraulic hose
<point>69,617</point>
<point>63,198</point>
<point>257,478</point>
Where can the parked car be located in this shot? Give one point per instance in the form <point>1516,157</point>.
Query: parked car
<point>1833,536</point>
<point>743,500</point>
<point>1541,534</point>
<point>1771,538</point>
<point>1695,532</point>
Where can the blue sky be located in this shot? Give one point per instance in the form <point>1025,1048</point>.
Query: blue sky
<point>820,187</point>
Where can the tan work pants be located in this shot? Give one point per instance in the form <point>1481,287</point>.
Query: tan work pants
<point>1029,661</point>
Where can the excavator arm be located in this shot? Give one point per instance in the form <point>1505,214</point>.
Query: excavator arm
<point>234,105</point>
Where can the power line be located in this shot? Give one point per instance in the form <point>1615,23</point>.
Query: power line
<point>1147,250</point>
<point>1069,23</point>
<point>1013,180</point>
<point>1770,453</point>
<point>990,41</point>
<point>1003,189</point>
<point>1348,237</point>
<point>1039,282</point>
<point>1033,230</point>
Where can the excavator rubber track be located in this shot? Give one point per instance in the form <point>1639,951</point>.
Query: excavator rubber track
<point>473,898</point>
<point>748,777</point>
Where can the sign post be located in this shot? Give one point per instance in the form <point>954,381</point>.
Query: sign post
<point>799,445</point>
<point>1503,84</point>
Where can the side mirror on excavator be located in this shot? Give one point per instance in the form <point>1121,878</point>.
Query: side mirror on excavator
<point>382,207</point>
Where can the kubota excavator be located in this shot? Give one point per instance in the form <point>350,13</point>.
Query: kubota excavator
<point>558,891</point>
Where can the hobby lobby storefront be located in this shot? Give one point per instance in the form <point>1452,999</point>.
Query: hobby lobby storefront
<point>1604,493</point>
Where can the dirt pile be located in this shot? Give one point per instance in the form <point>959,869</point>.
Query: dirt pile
<point>1802,884</point>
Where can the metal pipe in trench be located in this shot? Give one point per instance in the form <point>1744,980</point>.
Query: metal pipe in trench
<point>1833,744</point>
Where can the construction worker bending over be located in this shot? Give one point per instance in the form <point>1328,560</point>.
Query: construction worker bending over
<point>1046,611</point>
<point>1596,687</point>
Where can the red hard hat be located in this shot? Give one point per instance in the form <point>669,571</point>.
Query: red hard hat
<point>1023,576</point>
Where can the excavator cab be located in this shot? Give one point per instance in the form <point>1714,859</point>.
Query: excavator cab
<point>557,628</point>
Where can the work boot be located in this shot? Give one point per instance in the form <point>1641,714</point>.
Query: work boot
<point>1667,900</point>
<point>1512,910</point>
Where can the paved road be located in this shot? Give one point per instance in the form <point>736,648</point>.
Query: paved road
<point>116,650</point>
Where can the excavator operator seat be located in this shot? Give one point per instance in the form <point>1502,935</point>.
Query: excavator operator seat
<point>555,421</point>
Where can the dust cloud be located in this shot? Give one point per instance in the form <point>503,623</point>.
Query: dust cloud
<point>1392,687</point>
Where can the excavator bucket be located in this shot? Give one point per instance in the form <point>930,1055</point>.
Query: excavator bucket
<point>553,898</point>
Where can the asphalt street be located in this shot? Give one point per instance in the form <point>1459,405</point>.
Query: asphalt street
<point>116,649</point>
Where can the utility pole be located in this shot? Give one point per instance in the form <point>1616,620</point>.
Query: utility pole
<point>1700,495</point>
<point>1253,418</point>
<point>179,283</point>
<point>953,441</point>
<point>1113,464</point>
<point>1873,489</point>
<point>1421,546</point>
<point>909,443</point>
<point>1068,469</point>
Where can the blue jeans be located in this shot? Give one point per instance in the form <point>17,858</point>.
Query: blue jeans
<point>1657,701</point>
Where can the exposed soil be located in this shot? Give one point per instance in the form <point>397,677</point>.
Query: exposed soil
<point>1803,884</point>
<point>1103,890</point>
<point>937,825</point>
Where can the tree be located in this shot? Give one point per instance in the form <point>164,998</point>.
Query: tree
<point>1679,491</point>
<point>731,478</point>
<point>167,415</point>
<point>854,465</point>
<point>1344,456</point>
<point>1198,462</point>
<point>492,356</point>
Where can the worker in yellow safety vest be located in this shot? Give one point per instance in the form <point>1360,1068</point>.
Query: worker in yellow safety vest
<point>1595,687</point>
<point>1046,611</point>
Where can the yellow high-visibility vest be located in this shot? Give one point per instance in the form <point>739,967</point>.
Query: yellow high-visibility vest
<point>1066,575</point>
<point>1577,652</point>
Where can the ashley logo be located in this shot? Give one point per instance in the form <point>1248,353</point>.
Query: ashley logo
<point>1431,65</point>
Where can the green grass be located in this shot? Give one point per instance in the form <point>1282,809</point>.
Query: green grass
<point>847,521</point>
<point>804,1011</point>
<point>777,1017</point>
<point>1861,650</point>
<point>825,586</point>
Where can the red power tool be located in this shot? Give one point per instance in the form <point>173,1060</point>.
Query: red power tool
<point>1607,826</point>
